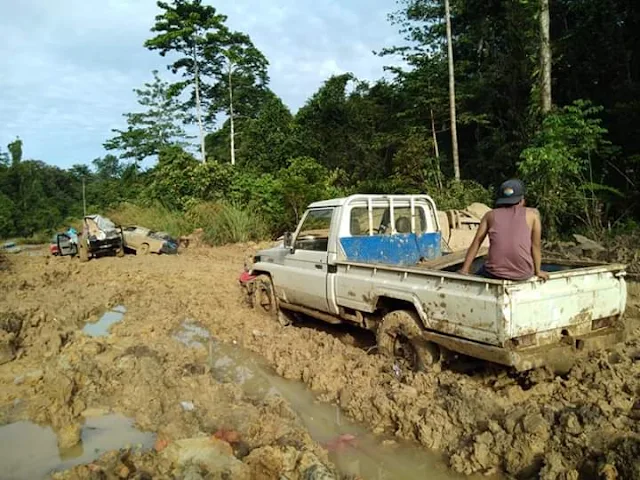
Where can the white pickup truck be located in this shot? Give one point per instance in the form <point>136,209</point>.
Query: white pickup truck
<point>377,261</point>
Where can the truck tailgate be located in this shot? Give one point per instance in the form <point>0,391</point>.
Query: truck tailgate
<point>569,300</point>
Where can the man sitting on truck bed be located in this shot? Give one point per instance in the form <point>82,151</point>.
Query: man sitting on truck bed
<point>515,235</point>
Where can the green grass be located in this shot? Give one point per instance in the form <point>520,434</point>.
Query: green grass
<point>221,223</point>
<point>154,217</point>
<point>35,239</point>
<point>226,223</point>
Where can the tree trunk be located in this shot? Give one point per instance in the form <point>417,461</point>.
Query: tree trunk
<point>436,150</point>
<point>545,58</point>
<point>232,134</point>
<point>452,94</point>
<point>198,107</point>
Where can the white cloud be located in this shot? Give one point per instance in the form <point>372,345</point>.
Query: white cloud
<point>68,69</point>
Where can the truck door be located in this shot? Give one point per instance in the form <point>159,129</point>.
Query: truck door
<point>306,267</point>
<point>65,245</point>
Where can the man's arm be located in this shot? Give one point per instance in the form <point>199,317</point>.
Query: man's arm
<point>536,246</point>
<point>481,234</point>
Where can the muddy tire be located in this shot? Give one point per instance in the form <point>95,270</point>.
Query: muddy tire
<point>399,336</point>
<point>83,249</point>
<point>143,250</point>
<point>265,301</point>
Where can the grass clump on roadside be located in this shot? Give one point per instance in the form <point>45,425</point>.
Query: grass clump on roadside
<point>155,217</point>
<point>227,223</point>
<point>221,223</point>
<point>36,238</point>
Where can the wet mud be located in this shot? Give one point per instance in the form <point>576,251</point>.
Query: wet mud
<point>228,393</point>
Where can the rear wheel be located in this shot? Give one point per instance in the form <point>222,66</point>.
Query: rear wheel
<point>399,336</point>
<point>143,250</point>
<point>264,299</point>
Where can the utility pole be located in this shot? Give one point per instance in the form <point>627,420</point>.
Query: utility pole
<point>452,94</point>
<point>84,198</point>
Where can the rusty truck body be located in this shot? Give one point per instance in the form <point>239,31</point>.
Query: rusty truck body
<point>378,261</point>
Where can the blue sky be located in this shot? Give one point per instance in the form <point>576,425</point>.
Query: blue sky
<point>69,67</point>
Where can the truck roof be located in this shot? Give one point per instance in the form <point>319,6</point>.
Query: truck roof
<point>334,202</point>
<point>339,202</point>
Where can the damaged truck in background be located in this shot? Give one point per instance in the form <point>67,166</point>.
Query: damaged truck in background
<point>381,262</point>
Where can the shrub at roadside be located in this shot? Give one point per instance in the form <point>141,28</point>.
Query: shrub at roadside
<point>221,223</point>
<point>155,217</point>
<point>227,223</point>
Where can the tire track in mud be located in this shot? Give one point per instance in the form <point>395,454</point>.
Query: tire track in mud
<point>582,425</point>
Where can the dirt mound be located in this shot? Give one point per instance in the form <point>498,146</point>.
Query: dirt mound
<point>623,249</point>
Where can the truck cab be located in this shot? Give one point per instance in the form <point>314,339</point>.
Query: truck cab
<point>385,229</point>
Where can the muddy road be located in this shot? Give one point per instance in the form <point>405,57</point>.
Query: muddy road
<point>153,367</point>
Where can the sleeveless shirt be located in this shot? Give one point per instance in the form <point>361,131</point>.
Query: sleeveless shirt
<point>510,244</point>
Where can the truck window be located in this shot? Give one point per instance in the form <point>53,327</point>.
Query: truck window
<point>381,220</point>
<point>403,219</point>
<point>360,220</point>
<point>314,233</point>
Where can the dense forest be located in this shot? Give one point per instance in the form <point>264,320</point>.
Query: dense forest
<point>573,136</point>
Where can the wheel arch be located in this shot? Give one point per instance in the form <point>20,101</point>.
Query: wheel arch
<point>388,302</point>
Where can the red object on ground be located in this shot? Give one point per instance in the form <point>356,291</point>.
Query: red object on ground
<point>229,436</point>
<point>53,249</point>
<point>246,277</point>
<point>341,443</point>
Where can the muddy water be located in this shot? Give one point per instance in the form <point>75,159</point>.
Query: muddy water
<point>352,448</point>
<point>30,451</point>
<point>101,327</point>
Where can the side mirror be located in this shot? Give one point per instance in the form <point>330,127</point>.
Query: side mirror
<point>288,240</point>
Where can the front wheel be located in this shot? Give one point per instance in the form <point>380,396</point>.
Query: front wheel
<point>264,299</point>
<point>399,336</point>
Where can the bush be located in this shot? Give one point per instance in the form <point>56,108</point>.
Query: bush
<point>227,223</point>
<point>560,168</point>
<point>155,217</point>
<point>458,195</point>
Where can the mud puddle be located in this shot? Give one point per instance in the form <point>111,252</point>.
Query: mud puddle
<point>352,448</point>
<point>101,327</point>
<point>31,451</point>
<point>192,334</point>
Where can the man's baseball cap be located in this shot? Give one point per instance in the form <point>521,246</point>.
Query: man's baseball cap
<point>510,193</point>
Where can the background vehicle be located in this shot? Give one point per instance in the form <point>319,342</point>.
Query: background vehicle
<point>143,241</point>
<point>376,261</point>
<point>98,235</point>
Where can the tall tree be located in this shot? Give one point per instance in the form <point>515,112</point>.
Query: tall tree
<point>214,61</point>
<point>15,149</point>
<point>245,77</point>
<point>452,93</point>
<point>545,57</point>
<point>267,140</point>
<point>159,126</point>
<point>187,28</point>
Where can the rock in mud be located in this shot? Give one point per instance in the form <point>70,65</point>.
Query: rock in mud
<point>278,462</point>
<point>216,456</point>
<point>69,435</point>
<point>7,347</point>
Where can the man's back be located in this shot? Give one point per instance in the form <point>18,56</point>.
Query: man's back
<point>515,237</point>
<point>509,230</point>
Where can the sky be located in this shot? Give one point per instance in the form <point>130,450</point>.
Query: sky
<point>69,68</point>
